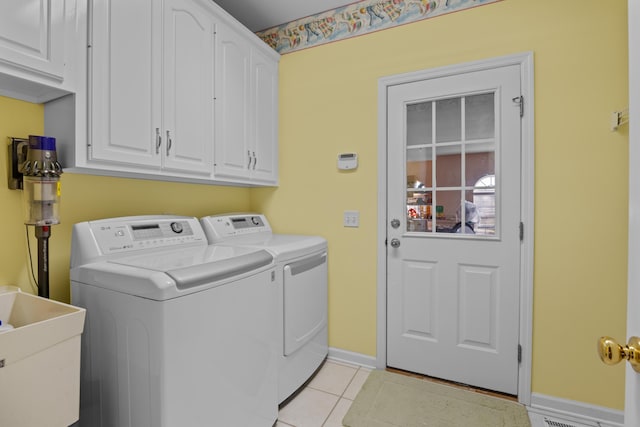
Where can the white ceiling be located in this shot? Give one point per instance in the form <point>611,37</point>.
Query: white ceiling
<point>262,14</point>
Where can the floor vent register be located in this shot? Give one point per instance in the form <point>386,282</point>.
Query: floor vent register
<point>557,423</point>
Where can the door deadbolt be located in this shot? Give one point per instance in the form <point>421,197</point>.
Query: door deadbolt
<point>611,352</point>
<point>395,223</point>
<point>395,243</point>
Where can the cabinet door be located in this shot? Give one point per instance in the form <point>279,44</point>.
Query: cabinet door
<point>188,87</point>
<point>232,155</point>
<point>125,87</point>
<point>32,36</point>
<point>264,87</point>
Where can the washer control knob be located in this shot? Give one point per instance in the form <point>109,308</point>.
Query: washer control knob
<point>176,227</point>
<point>255,220</point>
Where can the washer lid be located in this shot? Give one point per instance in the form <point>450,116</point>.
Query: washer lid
<point>200,266</point>
<point>163,275</point>
<point>212,272</point>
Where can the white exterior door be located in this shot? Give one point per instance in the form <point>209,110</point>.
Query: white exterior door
<point>453,254</point>
<point>632,407</point>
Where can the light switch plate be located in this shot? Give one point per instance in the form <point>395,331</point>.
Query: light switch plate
<point>351,218</point>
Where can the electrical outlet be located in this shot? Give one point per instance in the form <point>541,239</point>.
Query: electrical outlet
<point>351,218</point>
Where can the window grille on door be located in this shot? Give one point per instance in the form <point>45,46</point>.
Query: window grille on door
<point>451,171</point>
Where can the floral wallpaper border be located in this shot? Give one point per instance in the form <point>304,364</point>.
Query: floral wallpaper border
<point>356,19</point>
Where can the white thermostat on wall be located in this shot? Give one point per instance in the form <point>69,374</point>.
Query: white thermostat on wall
<point>347,161</point>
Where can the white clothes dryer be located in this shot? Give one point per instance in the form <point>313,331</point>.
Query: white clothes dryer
<point>301,277</point>
<point>178,333</point>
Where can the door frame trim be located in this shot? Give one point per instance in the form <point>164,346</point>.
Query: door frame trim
<point>525,61</point>
<point>632,382</point>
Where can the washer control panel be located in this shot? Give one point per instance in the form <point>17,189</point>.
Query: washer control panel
<point>125,235</point>
<point>222,227</point>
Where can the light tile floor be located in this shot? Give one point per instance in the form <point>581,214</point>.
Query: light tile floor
<point>326,399</point>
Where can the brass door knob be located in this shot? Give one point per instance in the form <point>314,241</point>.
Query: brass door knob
<point>611,352</point>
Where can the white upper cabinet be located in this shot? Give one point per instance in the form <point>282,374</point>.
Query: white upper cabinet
<point>151,87</point>
<point>33,65</point>
<point>264,78</point>
<point>188,87</point>
<point>31,35</point>
<point>232,152</point>
<point>172,90</point>
<point>246,109</point>
<point>124,86</point>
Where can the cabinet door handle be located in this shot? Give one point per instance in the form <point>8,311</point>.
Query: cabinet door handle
<point>249,156</point>
<point>158,140</point>
<point>169,142</point>
<point>255,160</point>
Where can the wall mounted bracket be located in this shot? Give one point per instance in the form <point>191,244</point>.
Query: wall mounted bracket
<point>619,118</point>
<point>17,155</point>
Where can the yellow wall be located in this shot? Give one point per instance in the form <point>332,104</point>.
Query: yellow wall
<point>86,197</point>
<point>328,105</point>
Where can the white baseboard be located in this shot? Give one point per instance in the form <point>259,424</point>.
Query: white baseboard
<point>360,359</point>
<point>570,411</point>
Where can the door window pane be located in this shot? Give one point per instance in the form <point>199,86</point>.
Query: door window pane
<point>447,203</point>
<point>448,166</point>
<point>419,128</point>
<point>419,210</point>
<point>419,169</point>
<point>479,116</point>
<point>478,165</point>
<point>484,197</point>
<point>448,120</point>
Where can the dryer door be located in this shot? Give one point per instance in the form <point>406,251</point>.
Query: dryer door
<point>305,300</point>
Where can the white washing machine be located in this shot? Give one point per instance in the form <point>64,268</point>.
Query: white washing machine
<point>178,333</point>
<point>301,277</point>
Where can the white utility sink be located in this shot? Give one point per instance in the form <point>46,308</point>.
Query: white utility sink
<point>39,360</point>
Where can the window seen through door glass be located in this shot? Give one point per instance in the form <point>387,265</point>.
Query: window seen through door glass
<point>451,166</point>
